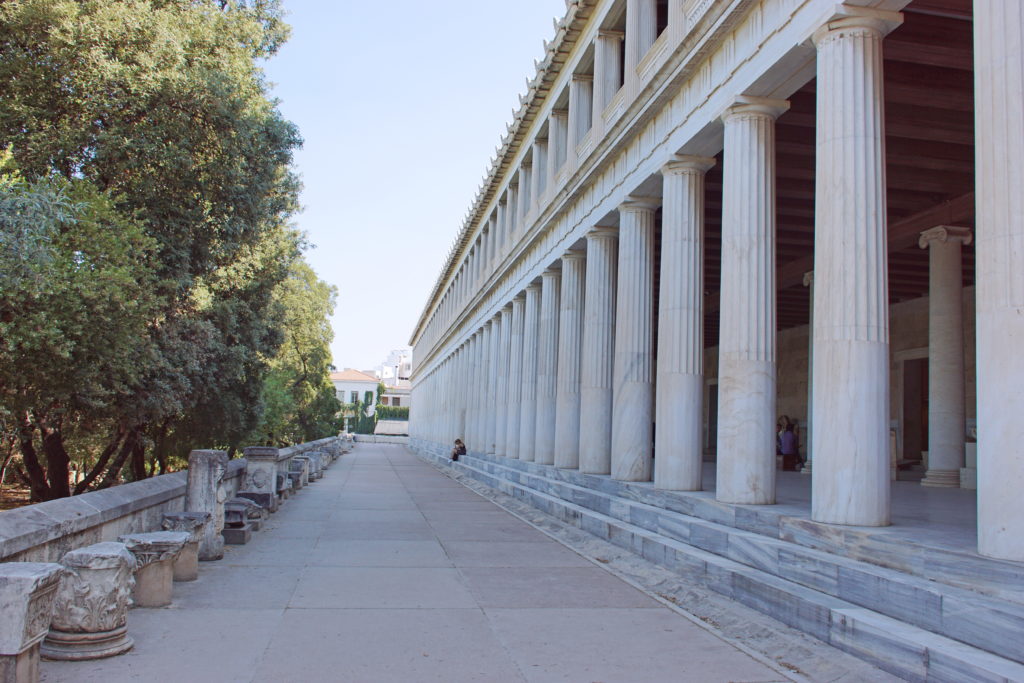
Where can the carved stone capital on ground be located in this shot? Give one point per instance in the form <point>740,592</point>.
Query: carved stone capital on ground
<point>90,612</point>
<point>27,590</point>
<point>155,554</point>
<point>186,567</point>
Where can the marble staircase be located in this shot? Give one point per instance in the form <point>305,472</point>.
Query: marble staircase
<point>912,607</point>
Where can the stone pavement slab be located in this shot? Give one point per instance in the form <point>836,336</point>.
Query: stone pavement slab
<point>386,570</point>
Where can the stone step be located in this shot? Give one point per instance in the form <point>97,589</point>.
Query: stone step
<point>880,546</point>
<point>906,649</point>
<point>948,610</point>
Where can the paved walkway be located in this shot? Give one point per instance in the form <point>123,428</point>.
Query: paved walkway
<point>386,570</point>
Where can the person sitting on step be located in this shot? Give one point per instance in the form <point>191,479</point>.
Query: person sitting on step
<point>459,449</point>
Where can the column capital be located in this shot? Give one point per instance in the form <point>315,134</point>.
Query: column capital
<point>583,78</point>
<point>847,19</point>
<point>611,33</point>
<point>747,106</point>
<point>632,203</point>
<point>603,232</point>
<point>507,308</point>
<point>808,278</point>
<point>551,272</point>
<point>519,298</point>
<point>945,233</point>
<point>559,114</point>
<point>685,164</point>
<point>573,255</point>
<point>533,287</point>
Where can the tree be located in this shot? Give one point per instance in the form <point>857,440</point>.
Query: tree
<point>153,117</point>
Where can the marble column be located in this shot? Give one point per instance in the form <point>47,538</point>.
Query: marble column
<point>679,404</point>
<point>946,410</point>
<point>581,96</point>
<point>204,492</point>
<point>512,216</point>
<point>999,273</point>
<point>597,353</point>
<point>515,376</point>
<point>483,379</point>
<point>492,385</point>
<point>607,68</point>
<point>570,343</point>
<point>747,362</point>
<point>538,178</point>
<point>850,481</point>
<point>557,132</point>
<point>547,367</point>
<point>467,387</point>
<point>633,373</point>
<point>528,397</point>
<point>524,195</point>
<point>805,437</point>
<point>641,31</point>
<point>501,393</point>
<point>501,235</point>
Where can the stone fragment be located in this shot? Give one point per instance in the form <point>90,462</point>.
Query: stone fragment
<point>206,493</point>
<point>90,611</point>
<point>27,590</point>
<point>186,567</point>
<point>155,553</point>
<point>261,480</point>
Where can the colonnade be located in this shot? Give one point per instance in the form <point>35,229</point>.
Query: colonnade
<point>565,373</point>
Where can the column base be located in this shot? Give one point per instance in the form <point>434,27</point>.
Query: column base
<point>942,479</point>
<point>62,645</point>
<point>969,478</point>
<point>806,469</point>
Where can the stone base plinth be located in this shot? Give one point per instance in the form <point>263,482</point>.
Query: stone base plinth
<point>238,535</point>
<point>61,645</point>
<point>186,567</point>
<point>942,479</point>
<point>20,668</point>
<point>153,584</point>
<point>969,478</point>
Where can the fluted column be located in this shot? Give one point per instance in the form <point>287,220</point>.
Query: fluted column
<point>501,235</point>
<point>501,395</point>
<point>547,367</point>
<point>581,96</point>
<point>607,68</point>
<point>528,397</point>
<point>809,426</point>
<point>597,354</point>
<point>482,379</point>
<point>515,377</point>
<point>538,178</point>
<point>557,133</point>
<point>747,363</point>
<point>679,405</point>
<point>633,374</point>
<point>570,342</point>
<point>641,31</point>
<point>946,405</point>
<point>524,195</point>
<point>851,309</point>
<point>470,389</point>
<point>999,272</point>
<point>493,385</point>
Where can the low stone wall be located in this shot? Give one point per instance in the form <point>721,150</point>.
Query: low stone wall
<point>380,438</point>
<point>44,532</point>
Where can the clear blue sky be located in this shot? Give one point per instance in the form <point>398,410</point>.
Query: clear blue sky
<point>401,105</point>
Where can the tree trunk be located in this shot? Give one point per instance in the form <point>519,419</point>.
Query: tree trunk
<point>58,471</point>
<point>110,478</point>
<point>101,463</point>
<point>34,472</point>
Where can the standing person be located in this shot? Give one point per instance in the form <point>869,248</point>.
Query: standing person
<point>459,449</point>
<point>789,448</point>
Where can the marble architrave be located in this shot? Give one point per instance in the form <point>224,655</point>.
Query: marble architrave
<point>547,368</point>
<point>999,272</point>
<point>27,591</point>
<point>528,393</point>
<point>90,611</point>
<point>596,355</point>
<point>633,370</point>
<point>850,441</point>
<point>746,361</point>
<point>679,397</point>
<point>205,493</point>
<point>570,342</point>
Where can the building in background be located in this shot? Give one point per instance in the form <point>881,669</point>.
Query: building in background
<point>351,387</point>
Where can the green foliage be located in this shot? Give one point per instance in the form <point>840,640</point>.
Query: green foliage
<point>144,249</point>
<point>392,412</point>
